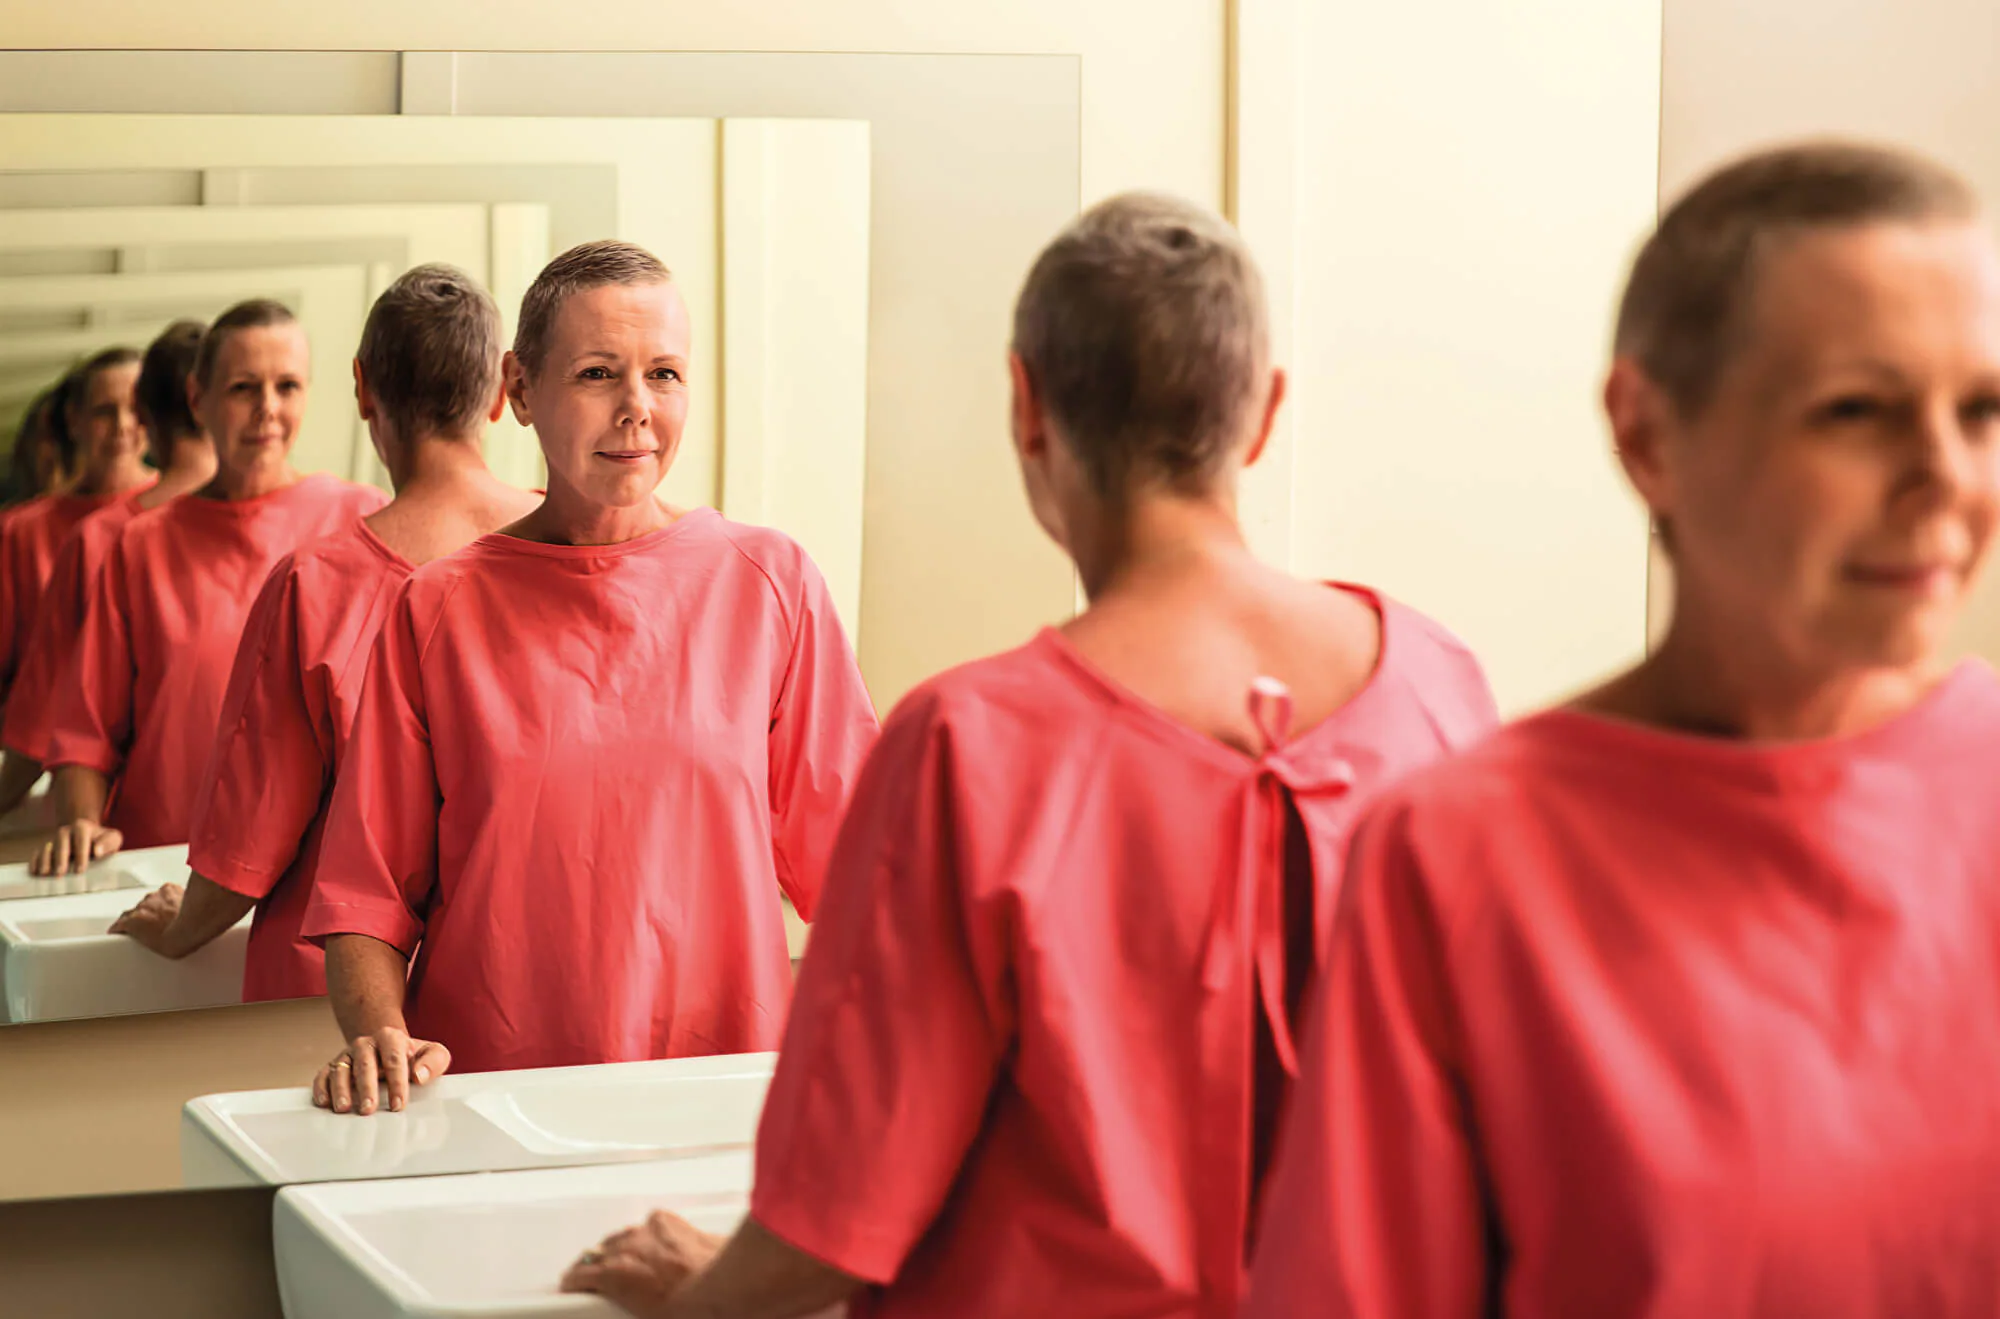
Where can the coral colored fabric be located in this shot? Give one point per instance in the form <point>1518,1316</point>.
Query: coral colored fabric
<point>29,538</point>
<point>50,655</point>
<point>579,777</point>
<point>1622,1023</point>
<point>1018,1075</point>
<point>259,812</point>
<point>160,635</point>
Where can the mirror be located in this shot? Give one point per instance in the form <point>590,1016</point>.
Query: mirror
<point>113,226</point>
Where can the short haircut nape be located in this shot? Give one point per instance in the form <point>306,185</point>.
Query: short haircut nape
<point>1683,311</point>
<point>431,352</point>
<point>1142,327</point>
<point>163,377</point>
<point>253,314</point>
<point>585,266</point>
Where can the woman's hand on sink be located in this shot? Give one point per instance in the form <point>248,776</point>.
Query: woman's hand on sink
<point>642,1267</point>
<point>74,847</point>
<point>388,1060</point>
<point>147,924</point>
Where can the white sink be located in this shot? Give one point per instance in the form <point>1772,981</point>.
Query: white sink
<point>489,1244</point>
<point>481,1122</point>
<point>57,962</point>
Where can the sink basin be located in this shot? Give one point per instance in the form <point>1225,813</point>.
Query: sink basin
<point>57,962</point>
<point>481,1122</point>
<point>485,1244</point>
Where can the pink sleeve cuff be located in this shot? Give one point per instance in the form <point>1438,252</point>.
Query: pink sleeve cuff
<point>392,923</point>
<point>89,752</point>
<point>207,860</point>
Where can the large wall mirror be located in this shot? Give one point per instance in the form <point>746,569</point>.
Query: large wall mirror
<point>114,226</point>
<point>849,230</point>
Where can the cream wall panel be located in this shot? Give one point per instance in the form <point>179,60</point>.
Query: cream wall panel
<point>1917,72</point>
<point>330,302</point>
<point>795,332</point>
<point>1468,184</point>
<point>1151,111</point>
<point>664,195</point>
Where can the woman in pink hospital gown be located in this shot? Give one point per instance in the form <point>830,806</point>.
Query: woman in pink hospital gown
<point>1044,1031</point>
<point>1681,1001</point>
<point>591,749</point>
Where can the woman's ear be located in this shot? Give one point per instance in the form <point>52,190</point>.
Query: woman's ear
<point>1273,400</point>
<point>1642,420</point>
<point>514,389</point>
<point>364,398</point>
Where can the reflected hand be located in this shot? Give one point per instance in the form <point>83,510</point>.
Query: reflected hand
<point>642,1267</point>
<point>74,847</point>
<point>147,923</point>
<point>387,1060</point>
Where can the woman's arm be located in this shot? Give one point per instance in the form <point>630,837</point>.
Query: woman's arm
<point>366,979</point>
<point>174,922</point>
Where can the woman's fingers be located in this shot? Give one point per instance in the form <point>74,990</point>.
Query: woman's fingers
<point>340,1084</point>
<point>394,1048</point>
<point>367,1075</point>
<point>428,1061</point>
<point>105,843</point>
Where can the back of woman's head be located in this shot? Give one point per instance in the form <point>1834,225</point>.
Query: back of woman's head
<point>431,352</point>
<point>1142,328</point>
<point>162,393</point>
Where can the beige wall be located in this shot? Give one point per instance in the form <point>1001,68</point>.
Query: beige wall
<point>1455,205</point>
<point>1918,72</point>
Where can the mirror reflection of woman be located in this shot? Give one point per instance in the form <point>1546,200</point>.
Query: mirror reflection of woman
<point>427,381</point>
<point>166,612</point>
<point>184,456</point>
<point>591,748</point>
<point>42,458</point>
<point>1042,1031</point>
<point>1684,998</point>
<point>103,420</point>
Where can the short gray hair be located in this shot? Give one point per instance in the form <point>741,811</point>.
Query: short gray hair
<point>586,266</point>
<point>1143,329</point>
<point>430,352</point>
<point>1681,316</point>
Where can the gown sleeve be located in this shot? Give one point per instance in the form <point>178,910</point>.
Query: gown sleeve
<point>378,865</point>
<point>1374,1206</point>
<point>900,1022</point>
<point>266,777</point>
<point>92,724</point>
<point>822,727</point>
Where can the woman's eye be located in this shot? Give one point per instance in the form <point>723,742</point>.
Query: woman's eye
<point>1853,407</point>
<point>595,373</point>
<point>666,373</point>
<point>1982,412</point>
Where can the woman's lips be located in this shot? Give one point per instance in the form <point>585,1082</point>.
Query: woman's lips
<point>626,455</point>
<point>1921,579</point>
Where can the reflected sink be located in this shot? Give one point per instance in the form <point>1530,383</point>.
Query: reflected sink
<point>57,962</point>
<point>481,1245</point>
<point>481,1122</point>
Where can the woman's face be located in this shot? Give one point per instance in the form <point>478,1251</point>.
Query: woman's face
<point>105,421</point>
<point>1838,494</point>
<point>611,396</point>
<point>255,396</point>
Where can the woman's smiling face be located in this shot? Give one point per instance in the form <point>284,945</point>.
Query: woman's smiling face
<point>610,396</point>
